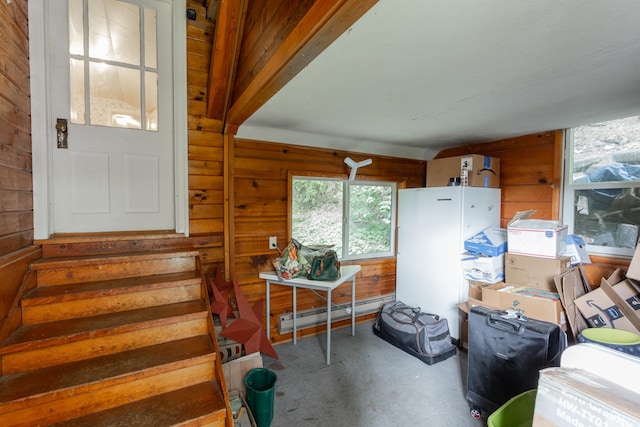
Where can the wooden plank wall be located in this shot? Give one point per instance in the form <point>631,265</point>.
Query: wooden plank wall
<point>16,196</point>
<point>206,143</point>
<point>267,25</point>
<point>16,189</point>
<point>260,205</point>
<point>530,178</point>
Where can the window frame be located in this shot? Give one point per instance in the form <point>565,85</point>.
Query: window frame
<point>345,223</point>
<point>568,196</point>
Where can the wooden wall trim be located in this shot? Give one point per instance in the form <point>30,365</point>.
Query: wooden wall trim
<point>229,202</point>
<point>558,179</point>
<point>226,48</point>
<point>15,283</point>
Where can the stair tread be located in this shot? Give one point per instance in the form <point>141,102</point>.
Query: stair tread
<point>166,409</point>
<point>64,262</point>
<point>21,385</point>
<point>44,294</point>
<point>102,324</point>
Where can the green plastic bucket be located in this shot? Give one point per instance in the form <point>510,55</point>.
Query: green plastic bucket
<point>516,412</point>
<point>617,339</point>
<point>261,384</point>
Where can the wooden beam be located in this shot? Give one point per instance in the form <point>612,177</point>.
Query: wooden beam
<point>323,23</point>
<point>556,185</point>
<point>226,46</point>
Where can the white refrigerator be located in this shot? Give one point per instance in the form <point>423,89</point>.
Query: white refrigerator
<point>433,223</point>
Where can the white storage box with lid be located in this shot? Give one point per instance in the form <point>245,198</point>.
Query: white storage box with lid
<point>536,237</point>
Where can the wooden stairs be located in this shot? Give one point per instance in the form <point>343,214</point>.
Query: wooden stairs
<point>115,340</point>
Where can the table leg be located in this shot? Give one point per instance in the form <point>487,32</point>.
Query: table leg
<point>328,326</point>
<point>295,318</point>
<point>353,307</point>
<point>267,323</point>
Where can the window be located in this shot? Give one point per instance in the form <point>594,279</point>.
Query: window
<point>113,64</point>
<point>357,217</point>
<point>602,186</point>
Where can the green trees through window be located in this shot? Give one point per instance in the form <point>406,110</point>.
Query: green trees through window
<point>356,217</point>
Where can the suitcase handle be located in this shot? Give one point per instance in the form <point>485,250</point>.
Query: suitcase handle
<point>507,325</point>
<point>562,345</point>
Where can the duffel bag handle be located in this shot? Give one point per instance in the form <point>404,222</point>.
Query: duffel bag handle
<point>507,325</point>
<point>415,310</point>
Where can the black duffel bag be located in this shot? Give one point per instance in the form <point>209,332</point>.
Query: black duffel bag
<point>422,335</point>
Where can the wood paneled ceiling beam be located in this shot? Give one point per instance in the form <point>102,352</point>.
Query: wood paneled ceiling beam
<point>323,23</point>
<point>224,56</point>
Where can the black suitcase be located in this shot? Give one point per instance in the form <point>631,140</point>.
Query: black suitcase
<point>505,353</point>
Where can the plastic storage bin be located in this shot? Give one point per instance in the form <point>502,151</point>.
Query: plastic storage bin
<point>516,412</point>
<point>617,339</point>
<point>261,384</point>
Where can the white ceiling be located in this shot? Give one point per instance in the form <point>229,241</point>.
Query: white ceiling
<point>414,76</point>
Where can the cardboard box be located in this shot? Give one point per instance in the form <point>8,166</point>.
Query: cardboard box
<point>491,241</point>
<point>577,250</point>
<point>463,312</point>
<point>570,286</point>
<point>613,306</point>
<point>569,397</point>
<point>634,267</point>
<point>235,370</point>
<point>536,237</point>
<point>488,269</point>
<point>531,302</point>
<point>535,272</point>
<point>482,171</point>
<point>475,289</point>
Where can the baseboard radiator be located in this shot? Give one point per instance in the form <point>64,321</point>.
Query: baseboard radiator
<point>318,316</point>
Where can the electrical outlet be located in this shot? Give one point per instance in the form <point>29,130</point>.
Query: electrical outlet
<point>273,242</point>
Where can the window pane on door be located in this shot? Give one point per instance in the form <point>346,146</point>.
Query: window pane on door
<point>122,80</point>
<point>151,100</point>
<point>150,39</point>
<point>110,107</point>
<point>114,31</point>
<point>76,89</point>
<point>76,28</point>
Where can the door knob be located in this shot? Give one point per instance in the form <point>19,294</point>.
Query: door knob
<point>62,131</point>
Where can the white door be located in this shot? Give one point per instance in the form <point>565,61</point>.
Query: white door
<point>111,81</point>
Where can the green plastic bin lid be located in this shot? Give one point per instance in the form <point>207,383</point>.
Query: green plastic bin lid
<point>516,412</point>
<point>611,336</point>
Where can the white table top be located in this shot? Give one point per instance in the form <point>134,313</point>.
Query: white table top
<point>347,272</point>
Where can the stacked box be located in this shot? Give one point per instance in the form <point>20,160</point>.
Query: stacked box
<point>535,272</point>
<point>484,259</point>
<point>491,242</point>
<point>481,268</point>
<point>481,171</point>
<point>536,237</point>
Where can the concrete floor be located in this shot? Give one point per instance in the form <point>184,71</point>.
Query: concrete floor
<point>369,383</point>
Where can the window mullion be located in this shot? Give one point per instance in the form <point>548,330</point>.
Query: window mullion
<point>345,218</point>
